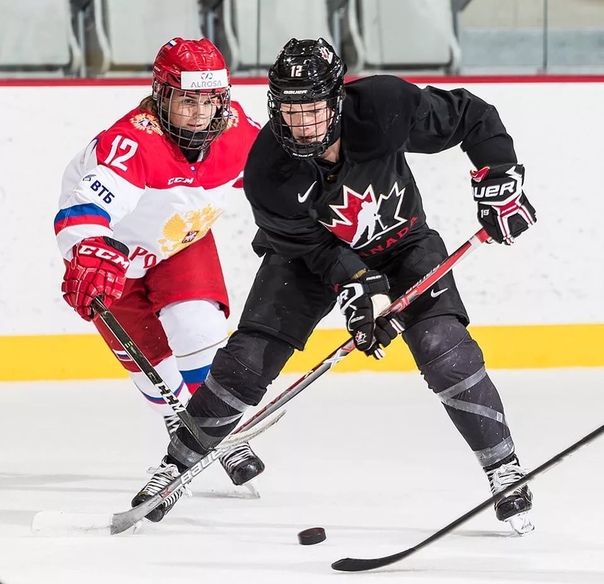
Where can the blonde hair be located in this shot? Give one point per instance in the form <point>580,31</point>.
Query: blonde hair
<point>148,104</point>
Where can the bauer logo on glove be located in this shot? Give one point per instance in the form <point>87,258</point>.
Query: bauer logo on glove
<point>503,208</point>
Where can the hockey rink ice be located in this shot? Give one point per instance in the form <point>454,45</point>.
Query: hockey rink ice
<point>372,458</point>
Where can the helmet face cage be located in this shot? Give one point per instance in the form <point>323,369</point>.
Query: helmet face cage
<point>190,79</point>
<point>306,72</point>
<point>198,139</point>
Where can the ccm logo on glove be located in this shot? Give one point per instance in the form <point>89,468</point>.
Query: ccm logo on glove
<point>98,268</point>
<point>104,254</point>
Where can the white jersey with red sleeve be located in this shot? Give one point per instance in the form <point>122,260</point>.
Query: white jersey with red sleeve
<point>134,184</point>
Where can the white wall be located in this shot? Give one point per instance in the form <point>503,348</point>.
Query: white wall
<point>552,275</point>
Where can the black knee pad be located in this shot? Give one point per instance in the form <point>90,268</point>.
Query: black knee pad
<point>249,363</point>
<point>444,352</point>
<point>238,378</point>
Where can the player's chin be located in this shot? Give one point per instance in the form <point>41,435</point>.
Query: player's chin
<point>305,140</point>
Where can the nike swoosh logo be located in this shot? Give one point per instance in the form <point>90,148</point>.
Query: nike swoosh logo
<point>434,293</point>
<point>302,198</point>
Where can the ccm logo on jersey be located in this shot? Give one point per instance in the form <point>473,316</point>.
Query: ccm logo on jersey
<point>104,254</point>
<point>180,180</point>
<point>102,191</point>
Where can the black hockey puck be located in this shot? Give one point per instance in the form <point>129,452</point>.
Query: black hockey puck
<point>311,536</point>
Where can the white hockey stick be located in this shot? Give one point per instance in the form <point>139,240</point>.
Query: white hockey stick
<point>119,522</point>
<point>71,523</point>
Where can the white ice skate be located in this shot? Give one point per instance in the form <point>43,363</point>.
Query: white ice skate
<point>514,508</point>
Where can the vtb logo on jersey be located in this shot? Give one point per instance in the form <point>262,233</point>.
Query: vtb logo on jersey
<point>364,218</point>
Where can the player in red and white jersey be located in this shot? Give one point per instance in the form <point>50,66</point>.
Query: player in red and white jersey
<point>134,227</point>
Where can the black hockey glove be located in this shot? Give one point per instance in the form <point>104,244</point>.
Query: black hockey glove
<point>503,209</point>
<point>361,300</point>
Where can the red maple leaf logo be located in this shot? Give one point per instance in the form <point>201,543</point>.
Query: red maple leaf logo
<point>363,218</point>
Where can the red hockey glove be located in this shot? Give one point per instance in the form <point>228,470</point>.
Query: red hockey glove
<point>503,209</point>
<point>98,268</point>
<point>361,300</point>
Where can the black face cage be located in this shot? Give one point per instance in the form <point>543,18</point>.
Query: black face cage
<point>282,131</point>
<point>186,139</point>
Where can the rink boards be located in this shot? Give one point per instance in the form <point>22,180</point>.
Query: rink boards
<point>505,347</point>
<point>536,304</point>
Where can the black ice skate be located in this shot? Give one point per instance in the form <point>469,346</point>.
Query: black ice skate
<point>162,476</point>
<point>513,508</point>
<point>241,464</point>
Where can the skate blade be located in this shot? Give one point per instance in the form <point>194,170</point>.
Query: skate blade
<point>254,493</point>
<point>60,523</point>
<point>521,523</point>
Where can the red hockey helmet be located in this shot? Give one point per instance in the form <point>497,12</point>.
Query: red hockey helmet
<point>195,66</point>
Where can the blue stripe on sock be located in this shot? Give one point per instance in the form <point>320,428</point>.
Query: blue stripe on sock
<point>195,375</point>
<point>160,400</point>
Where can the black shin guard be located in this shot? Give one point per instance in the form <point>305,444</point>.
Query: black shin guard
<point>452,364</point>
<point>238,379</point>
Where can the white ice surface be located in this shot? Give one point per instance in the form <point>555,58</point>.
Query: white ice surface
<point>371,458</point>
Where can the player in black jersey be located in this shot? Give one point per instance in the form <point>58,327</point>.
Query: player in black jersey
<point>341,220</point>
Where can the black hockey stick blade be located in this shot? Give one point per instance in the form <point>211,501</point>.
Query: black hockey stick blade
<point>360,564</point>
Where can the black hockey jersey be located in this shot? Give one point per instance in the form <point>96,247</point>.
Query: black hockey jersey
<point>369,206</point>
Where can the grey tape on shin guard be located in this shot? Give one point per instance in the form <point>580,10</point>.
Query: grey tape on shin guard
<point>224,394</point>
<point>453,365</point>
<point>178,450</point>
<point>447,397</point>
<point>189,454</point>
<point>183,447</point>
<point>238,379</point>
<point>489,455</point>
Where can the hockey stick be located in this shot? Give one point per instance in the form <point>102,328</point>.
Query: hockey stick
<point>120,522</point>
<point>118,331</point>
<point>139,358</point>
<point>397,306</point>
<point>70,523</point>
<point>359,565</point>
<point>66,522</point>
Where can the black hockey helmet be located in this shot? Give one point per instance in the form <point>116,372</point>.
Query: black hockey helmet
<point>306,71</point>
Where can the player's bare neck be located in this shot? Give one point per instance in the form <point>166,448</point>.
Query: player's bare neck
<point>332,154</point>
